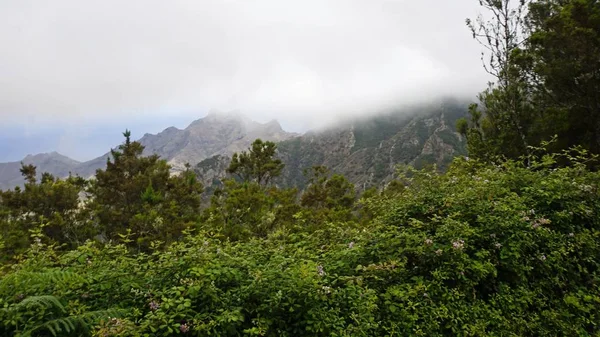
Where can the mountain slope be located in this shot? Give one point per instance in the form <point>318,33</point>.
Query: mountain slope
<point>216,134</point>
<point>367,151</point>
<point>54,162</point>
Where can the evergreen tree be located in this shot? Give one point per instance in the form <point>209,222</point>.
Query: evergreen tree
<point>257,164</point>
<point>248,207</point>
<point>544,56</point>
<point>52,204</point>
<point>328,197</point>
<point>562,58</point>
<point>137,193</point>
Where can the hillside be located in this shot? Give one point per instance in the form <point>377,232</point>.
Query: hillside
<point>53,162</point>
<point>216,134</point>
<point>368,150</point>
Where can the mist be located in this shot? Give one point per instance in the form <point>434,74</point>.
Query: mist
<point>72,65</point>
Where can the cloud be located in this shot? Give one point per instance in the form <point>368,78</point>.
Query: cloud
<point>301,62</point>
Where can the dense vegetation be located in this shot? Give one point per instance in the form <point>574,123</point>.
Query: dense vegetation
<point>502,243</point>
<point>483,249</point>
<point>543,55</point>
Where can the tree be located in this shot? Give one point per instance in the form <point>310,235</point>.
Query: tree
<point>52,204</point>
<point>500,124</point>
<point>138,193</point>
<point>248,207</point>
<point>257,164</point>
<point>328,197</point>
<point>544,56</point>
<point>562,52</point>
<point>28,172</point>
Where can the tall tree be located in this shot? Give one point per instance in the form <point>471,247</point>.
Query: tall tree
<point>544,56</point>
<point>500,124</point>
<point>563,55</point>
<point>328,197</point>
<point>51,203</point>
<point>138,193</point>
<point>257,164</point>
<point>248,207</point>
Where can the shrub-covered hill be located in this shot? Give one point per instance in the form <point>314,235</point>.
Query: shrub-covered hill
<point>482,250</point>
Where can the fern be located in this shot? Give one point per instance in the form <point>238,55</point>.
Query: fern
<point>69,325</point>
<point>47,301</point>
<point>60,326</point>
<point>28,279</point>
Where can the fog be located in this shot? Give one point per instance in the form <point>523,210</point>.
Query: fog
<point>100,64</point>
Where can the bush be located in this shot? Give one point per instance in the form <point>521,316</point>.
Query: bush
<point>484,249</point>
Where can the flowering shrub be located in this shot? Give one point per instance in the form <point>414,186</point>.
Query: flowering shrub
<point>483,249</point>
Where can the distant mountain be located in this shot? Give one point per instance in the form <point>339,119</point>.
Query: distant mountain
<point>367,151</point>
<point>56,163</point>
<point>218,133</point>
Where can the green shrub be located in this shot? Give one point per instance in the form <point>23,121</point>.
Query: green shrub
<point>484,249</point>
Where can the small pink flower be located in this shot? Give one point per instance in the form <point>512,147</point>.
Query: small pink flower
<point>184,328</point>
<point>438,252</point>
<point>351,245</point>
<point>154,305</point>
<point>428,242</point>
<point>458,244</point>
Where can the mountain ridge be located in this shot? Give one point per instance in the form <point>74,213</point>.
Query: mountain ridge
<point>366,150</point>
<point>216,133</point>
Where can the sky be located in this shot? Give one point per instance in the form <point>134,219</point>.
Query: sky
<point>74,74</point>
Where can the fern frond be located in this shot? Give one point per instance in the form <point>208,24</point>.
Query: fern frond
<point>27,279</point>
<point>78,323</point>
<point>47,301</point>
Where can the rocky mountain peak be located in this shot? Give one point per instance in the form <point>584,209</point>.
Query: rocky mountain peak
<point>49,156</point>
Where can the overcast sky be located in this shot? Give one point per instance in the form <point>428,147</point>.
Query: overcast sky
<point>73,71</point>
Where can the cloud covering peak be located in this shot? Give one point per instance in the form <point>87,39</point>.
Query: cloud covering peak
<point>70,58</point>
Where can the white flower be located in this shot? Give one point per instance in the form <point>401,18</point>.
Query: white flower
<point>458,244</point>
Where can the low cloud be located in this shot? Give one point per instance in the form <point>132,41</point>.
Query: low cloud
<point>302,62</point>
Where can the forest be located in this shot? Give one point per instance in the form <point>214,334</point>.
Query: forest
<point>503,242</point>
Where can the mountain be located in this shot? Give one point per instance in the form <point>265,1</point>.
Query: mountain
<point>54,162</point>
<point>216,134</point>
<point>219,133</point>
<point>367,151</point>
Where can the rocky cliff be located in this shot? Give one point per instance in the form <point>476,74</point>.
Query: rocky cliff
<point>216,134</point>
<point>367,151</point>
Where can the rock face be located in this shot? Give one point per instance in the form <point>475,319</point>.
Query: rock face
<point>367,151</point>
<point>216,134</point>
<point>57,164</point>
